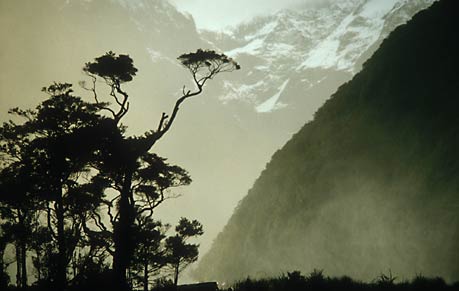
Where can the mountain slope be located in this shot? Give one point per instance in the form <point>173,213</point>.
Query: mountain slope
<point>372,183</point>
<point>295,59</point>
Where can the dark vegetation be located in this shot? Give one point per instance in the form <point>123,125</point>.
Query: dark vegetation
<point>372,182</point>
<point>316,280</point>
<point>78,194</point>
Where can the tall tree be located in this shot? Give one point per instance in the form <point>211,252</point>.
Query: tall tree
<point>123,157</point>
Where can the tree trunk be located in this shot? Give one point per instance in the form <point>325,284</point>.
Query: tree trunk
<point>23,264</point>
<point>22,248</point>
<point>176,272</point>
<point>122,234</point>
<point>38,266</point>
<point>3,280</point>
<point>18,265</point>
<point>61,276</point>
<point>145,277</point>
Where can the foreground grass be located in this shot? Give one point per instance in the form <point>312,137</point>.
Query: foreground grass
<point>317,281</point>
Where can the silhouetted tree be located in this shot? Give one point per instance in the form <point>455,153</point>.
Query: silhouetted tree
<point>58,163</point>
<point>122,159</point>
<point>149,254</point>
<point>42,246</point>
<point>4,240</point>
<point>17,204</point>
<point>59,143</point>
<point>180,253</point>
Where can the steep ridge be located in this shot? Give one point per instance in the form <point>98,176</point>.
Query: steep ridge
<point>295,59</point>
<point>372,183</point>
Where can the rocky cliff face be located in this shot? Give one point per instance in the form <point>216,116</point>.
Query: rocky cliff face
<point>291,52</point>
<point>371,183</point>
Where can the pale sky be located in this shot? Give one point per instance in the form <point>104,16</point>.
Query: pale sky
<point>217,14</point>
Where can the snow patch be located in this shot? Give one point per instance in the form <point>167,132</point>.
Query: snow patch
<point>251,48</point>
<point>377,8</point>
<point>272,103</point>
<point>241,92</point>
<point>353,36</point>
<point>325,54</point>
<point>280,49</point>
<point>265,30</point>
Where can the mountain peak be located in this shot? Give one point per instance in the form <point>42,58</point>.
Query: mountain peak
<point>294,44</point>
<point>360,29</point>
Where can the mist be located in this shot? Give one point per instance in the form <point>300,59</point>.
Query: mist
<point>221,137</point>
<point>218,15</point>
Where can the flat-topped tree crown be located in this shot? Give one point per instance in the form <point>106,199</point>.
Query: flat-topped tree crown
<point>207,58</point>
<point>117,69</point>
<point>205,64</point>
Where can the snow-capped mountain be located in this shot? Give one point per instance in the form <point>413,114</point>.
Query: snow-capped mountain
<point>337,37</point>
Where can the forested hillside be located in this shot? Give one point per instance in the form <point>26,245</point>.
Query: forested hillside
<point>372,183</point>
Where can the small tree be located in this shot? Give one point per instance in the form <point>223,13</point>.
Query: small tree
<point>180,253</point>
<point>149,255</point>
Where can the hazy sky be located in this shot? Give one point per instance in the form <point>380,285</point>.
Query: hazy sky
<point>217,14</point>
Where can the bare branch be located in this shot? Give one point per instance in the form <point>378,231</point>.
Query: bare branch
<point>48,219</point>
<point>113,94</point>
<point>94,92</point>
<point>98,220</point>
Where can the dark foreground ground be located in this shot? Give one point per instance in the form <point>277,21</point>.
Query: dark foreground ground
<point>317,281</point>
<point>294,281</point>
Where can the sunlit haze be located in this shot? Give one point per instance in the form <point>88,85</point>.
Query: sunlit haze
<point>219,14</point>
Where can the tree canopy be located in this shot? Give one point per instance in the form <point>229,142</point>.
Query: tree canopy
<point>77,194</point>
